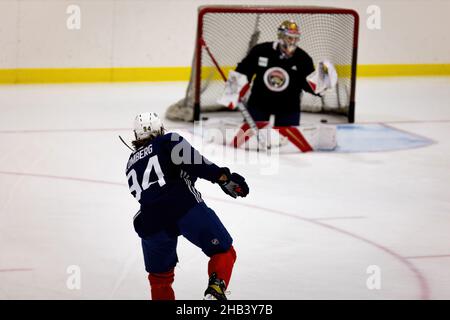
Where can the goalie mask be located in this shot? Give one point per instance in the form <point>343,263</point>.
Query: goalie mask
<point>147,125</point>
<point>288,36</point>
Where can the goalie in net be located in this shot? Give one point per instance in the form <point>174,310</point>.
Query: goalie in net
<point>278,72</point>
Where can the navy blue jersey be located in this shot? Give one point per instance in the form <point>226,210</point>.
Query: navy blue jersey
<point>161,176</point>
<point>278,81</point>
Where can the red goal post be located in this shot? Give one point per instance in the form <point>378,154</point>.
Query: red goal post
<point>228,32</point>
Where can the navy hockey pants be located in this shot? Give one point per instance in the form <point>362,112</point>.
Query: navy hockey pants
<point>200,225</point>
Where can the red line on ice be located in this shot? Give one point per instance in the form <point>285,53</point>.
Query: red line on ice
<point>49,176</point>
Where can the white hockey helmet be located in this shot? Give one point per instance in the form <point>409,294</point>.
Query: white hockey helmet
<point>147,124</point>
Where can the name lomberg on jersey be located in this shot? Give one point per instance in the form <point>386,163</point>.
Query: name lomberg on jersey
<point>180,153</point>
<point>139,155</point>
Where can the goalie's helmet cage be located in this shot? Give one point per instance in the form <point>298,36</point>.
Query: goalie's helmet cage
<point>229,32</point>
<point>288,36</point>
<point>147,124</point>
<point>288,28</point>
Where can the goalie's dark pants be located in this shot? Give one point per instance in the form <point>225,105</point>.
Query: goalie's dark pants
<point>203,228</point>
<point>291,119</point>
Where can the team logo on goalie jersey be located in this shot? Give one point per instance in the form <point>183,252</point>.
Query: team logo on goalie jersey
<point>276,79</point>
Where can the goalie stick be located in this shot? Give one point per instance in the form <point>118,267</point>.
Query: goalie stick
<point>242,108</point>
<point>255,35</point>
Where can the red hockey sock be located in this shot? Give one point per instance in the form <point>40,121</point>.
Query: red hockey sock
<point>296,137</point>
<point>161,285</point>
<point>222,264</point>
<point>243,134</point>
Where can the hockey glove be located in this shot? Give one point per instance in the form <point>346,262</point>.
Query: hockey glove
<point>323,78</point>
<point>235,185</point>
<point>236,87</point>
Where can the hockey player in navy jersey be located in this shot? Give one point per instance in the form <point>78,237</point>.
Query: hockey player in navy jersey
<point>161,173</point>
<point>279,73</point>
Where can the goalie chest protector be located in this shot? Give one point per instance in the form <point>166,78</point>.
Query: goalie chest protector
<point>278,80</point>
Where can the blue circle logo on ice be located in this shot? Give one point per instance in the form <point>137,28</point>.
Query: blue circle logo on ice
<point>276,79</point>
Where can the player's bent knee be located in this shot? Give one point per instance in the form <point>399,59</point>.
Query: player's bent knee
<point>229,254</point>
<point>221,265</point>
<point>222,248</point>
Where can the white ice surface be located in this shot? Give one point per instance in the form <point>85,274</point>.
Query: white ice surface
<point>309,230</point>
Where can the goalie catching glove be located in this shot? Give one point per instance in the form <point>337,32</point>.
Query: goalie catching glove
<point>323,78</point>
<point>234,185</point>
<point>235,88</point>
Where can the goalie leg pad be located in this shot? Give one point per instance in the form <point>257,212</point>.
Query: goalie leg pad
<point>244,133</point>
<point>222,264</point>
<point>296,137</point>
<point>161,285</point>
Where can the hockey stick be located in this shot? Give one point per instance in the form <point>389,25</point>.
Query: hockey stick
<point>242,108</point>
<point>255,35</point>
<point>121,139</point>
<point>248,118</point>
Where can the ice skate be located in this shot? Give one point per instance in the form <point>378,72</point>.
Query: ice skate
<point>216,289</point>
